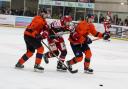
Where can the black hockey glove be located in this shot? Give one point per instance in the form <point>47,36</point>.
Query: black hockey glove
<point>88,40</point>
<point>39,37</point>
<point>106,36</point>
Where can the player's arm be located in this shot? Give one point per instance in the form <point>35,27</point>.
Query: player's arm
<point>94,32</point>
<point>45,31</point>
<point>98,34</point>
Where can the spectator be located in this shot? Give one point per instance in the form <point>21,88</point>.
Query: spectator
<point>101,19</point>
<point>96,19</point>
<point>126,21</point>
<point>49,14</point>
<point>115,19</point>
<point>119,21</point>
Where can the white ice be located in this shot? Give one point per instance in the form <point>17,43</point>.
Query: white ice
<point>109,61</point>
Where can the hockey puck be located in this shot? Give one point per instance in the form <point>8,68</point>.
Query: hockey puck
<point>101,85</point>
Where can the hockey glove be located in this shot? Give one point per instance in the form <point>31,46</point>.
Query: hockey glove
<point>74,36</point>
<point>88,40</point>
<point>44,34</point>
<point>39,37</point>
<point>106,36</point>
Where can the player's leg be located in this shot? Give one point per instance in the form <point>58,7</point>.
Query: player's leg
<point>53,51</point>
<point>27,55</point>
<point>78,55</point>
<point>88,55</point>
<point>40,49</point>
<point>63,52</point>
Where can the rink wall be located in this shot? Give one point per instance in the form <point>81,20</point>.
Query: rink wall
<point>17,21</point>
<point>23,21</point>
<point>7,20</point>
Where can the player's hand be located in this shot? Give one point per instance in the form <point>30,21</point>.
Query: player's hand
<point>106,36</point>
<point>39,37</point>
<point>44,34</point>
<point>88,40</point>
<point>74,36</point>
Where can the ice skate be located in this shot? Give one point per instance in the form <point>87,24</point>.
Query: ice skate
<point>88,70</point>
<point>68,65</point>
<point>61,67</point>
<point>19,66</point>
<point>38,68</point>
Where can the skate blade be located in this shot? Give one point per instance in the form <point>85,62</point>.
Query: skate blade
<point>19,68</point>
<point>37,70</point>
<point>88,72</point>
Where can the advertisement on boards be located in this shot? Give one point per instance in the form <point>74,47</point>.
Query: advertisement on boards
<point>22,21</point>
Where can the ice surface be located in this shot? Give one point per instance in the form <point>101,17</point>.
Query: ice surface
<point>109,61</point>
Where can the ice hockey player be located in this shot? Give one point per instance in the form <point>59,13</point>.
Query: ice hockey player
<point>107,23</point>
<point>56,41</point>
<point>34,33</point>
<point>79,41</point>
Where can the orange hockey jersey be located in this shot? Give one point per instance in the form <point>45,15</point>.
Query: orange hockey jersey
<point>83,29</point>
<point>36,26</point>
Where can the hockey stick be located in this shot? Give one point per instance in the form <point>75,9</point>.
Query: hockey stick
<point>71,71</point>
<point>96,39</point>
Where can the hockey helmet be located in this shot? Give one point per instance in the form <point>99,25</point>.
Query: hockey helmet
<point>66,20</point>
<point>43,13</point>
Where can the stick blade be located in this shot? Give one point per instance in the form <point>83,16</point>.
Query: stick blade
<point>73,71</point>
